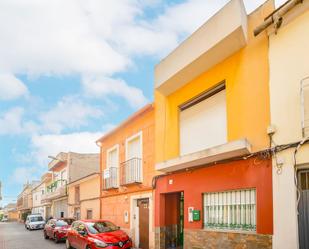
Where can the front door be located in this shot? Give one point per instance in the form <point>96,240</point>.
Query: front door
<point>143,224</point>
<point>303,209</point>
<point>77,213</point>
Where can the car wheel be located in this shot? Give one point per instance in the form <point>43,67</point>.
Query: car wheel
<point>67,244</point>
<point>45,235</point>
<point>88,247</point>
<point>56,238</point>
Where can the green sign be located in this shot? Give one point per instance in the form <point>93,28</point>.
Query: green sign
<point>196,215</point>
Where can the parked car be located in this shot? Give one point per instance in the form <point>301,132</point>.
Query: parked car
<point>34,221</point>
<point>96,234</point>
<point>5,219</point>
<point>57,229</point>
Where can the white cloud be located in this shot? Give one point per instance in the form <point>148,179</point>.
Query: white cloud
<point>25,174</point>
<point>10,121</point>
<point>52,144</point>
<point>103,86</point>
<point>70,112</point>
<point>11,87</point>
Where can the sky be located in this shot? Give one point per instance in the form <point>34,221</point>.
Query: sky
<point>72,70</point>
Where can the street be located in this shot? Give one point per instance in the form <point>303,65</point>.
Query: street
<point>14,236</point>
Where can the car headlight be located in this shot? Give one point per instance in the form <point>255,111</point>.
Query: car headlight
<point>99,243</point>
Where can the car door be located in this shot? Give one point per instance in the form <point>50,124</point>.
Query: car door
<point>51,227</point>
<point>73,234</point>
<point>81,241</point>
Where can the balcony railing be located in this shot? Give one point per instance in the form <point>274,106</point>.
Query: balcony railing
<point>131,171</point>
<point>54,190</point>
<point>110,178</point>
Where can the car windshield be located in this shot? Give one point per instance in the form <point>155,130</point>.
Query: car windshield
<point>36,218</point>
<point>101,227</point>
<point>61,223</point>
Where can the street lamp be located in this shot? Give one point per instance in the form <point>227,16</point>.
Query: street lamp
<point>55,158</point>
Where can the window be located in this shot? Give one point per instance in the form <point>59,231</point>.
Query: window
<point>63,177</point>
<point>202,121</point>
<point>113,157</point>
<point>110,174</point>
<point>77,195</point>
<point>131,170</point>
<point>134,147</point>
<point>231,210</point>
<point>305,106</point>
<point>89,214</point>
<point>303,180</point>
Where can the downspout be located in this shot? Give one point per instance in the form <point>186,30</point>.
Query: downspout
<point>101,185</point>
<point>276,16</point>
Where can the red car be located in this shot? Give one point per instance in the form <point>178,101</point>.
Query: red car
<point>57,229</point>
<point>97,234</point>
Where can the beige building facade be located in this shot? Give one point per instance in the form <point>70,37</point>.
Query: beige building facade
<point>289,104</point>
<point>67,167</point>
<point>40,206</point>
<point>84,197</point>
<point>24,200</point>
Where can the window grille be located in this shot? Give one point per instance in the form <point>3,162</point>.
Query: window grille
<point>230,210</point>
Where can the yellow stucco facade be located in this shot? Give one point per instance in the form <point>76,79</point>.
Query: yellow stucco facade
<point>247,94</point>
<point>88,199</point>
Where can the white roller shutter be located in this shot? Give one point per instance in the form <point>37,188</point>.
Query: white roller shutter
<point>203,125</point>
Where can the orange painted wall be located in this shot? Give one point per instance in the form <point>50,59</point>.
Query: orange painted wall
<point>251,173</point>
<point>113,201</point>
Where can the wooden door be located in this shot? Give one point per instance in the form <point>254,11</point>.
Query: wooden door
<point>143,206</point>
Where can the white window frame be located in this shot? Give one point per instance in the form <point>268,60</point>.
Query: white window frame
<point>215,228</point>
<point>115,147</point>
<point>129,139</point>
<point>140,135</point>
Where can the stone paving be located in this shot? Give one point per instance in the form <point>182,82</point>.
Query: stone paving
<point>15,236</point>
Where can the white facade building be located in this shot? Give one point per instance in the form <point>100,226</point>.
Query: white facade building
<point>289,102</point>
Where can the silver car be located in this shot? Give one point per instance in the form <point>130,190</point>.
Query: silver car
<point>34,221</point>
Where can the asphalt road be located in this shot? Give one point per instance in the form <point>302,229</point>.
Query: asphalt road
<point>15,236</point>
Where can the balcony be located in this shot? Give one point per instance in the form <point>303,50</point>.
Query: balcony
<point>110,178</point>
<point>131,171</point>
<point>221,36</point>
<point>55,190</point>
<point>222,152</point>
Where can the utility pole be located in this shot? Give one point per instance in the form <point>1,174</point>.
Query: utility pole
<point>0,191</point>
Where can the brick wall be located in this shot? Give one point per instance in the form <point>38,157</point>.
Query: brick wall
<point>199,238</point>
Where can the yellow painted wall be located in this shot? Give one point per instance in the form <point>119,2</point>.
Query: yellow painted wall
<point>90,188</point>
<point>246,75</point>
<point>94,205</point>
<point>89,197</point>
<point>13,215</point>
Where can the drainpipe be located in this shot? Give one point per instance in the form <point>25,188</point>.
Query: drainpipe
<point>276,16</point>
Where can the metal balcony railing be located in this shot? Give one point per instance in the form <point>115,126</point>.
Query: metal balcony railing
<point>110,178</point>
<point>54,190</point>
<point>131,171</point>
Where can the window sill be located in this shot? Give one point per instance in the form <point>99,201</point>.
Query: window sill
<point>228,231</point>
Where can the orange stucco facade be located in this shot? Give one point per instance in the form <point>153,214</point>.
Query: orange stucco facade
<point>116,203</point>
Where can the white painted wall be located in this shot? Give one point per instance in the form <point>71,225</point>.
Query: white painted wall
<point>289,63</point>
<point>203,125</point>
